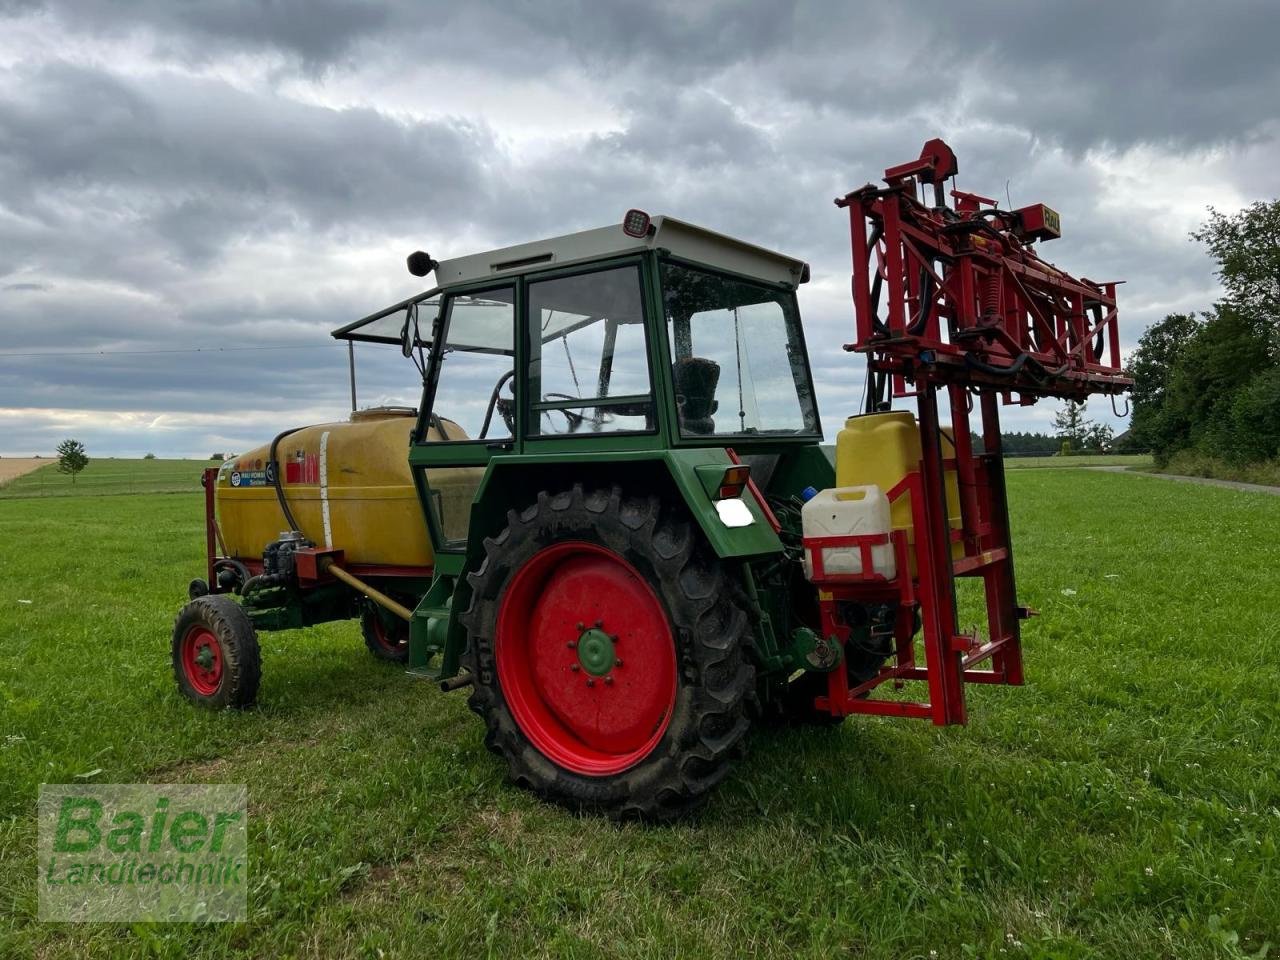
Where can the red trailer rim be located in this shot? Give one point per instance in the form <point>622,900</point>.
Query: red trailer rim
<point>202,660</point>
<point>586,658</point>
<point>385,638</point>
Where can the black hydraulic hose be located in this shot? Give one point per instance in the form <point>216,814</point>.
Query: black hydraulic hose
<point>1013,368</point>
<point>1022,360</point>
<point>275,478</point>
<point>1038,371</point>
<point>261,581</point>
<point>916,327</point>
<point>1098,341</point>
<point>877,324</point>
<point>493,403</point>
<point>877,382</point>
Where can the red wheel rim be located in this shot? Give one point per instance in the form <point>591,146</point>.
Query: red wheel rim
<point>586,658</point>
<point>202,660</point>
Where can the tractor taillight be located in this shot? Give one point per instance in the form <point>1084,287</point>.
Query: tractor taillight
<point>734,481</point>
<point>636,224</point>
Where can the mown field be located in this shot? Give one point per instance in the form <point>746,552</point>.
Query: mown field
<point>106,478</point>
<point>1130,460</point>
<point>1124,804</point>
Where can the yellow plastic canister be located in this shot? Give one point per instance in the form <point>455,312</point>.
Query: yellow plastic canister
<point>881,449</point>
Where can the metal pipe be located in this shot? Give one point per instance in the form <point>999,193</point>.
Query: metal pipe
<point>351,364</point>
<point>457,683</point>
<point>377,596</point>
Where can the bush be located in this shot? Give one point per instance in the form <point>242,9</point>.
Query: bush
<point>1190,463</point>
<point>149,456</point>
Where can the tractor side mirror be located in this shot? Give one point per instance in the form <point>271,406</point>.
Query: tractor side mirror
<point>409,332</point>
<point>420,263</point>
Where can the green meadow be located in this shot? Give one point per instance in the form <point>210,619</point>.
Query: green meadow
<point>1124,803</point>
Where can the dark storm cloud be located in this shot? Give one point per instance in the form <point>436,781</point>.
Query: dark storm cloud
<point>165,199</point>
<point>189,153</point>
<point>1077,74</point>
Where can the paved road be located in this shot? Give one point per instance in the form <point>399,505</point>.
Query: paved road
<point>1229,484</point>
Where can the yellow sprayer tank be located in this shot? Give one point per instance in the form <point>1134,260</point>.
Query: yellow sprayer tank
<point>881,449</point>
<point>347,484</point>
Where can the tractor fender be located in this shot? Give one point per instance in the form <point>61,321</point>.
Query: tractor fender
<point>510,482</point>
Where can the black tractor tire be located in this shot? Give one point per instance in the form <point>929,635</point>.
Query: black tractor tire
<point>385,640</point>
<point>216,659</point>
<point>714,679</point>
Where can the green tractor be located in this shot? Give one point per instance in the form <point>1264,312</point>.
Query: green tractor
<point>617,524</point>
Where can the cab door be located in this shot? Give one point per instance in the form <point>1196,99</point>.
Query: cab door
<point>468,411</point>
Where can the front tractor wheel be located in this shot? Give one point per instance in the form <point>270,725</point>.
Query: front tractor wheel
<point>215,654</point>
<point>609,653</point>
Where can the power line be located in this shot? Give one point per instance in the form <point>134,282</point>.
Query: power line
<point>138,353</point>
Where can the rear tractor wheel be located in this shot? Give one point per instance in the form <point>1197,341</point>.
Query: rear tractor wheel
<point>610,654</point>
<point>215,654</point>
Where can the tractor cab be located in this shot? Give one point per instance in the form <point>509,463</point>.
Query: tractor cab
<point>647,336</point>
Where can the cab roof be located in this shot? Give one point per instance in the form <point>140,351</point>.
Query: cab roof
<point>681,239</point>
<point>676,237</point>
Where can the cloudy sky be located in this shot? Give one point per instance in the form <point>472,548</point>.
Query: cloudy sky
<point>193,194</point>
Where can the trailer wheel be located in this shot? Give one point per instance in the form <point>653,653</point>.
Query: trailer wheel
<point>386,641</point>
<point>610,654</point>
<point>216,659</point>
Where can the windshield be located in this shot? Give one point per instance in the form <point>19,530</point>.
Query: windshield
<point>387,326</point>
<point>738,360</point>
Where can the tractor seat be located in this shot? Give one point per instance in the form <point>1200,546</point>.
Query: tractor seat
<point>696,379</point>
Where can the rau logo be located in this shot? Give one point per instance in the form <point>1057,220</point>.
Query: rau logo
<point>142,852</point>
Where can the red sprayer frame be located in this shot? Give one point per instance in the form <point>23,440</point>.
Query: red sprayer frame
<point>970,309</point>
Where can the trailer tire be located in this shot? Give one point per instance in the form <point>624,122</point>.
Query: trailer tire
<point>685,621</point>
<point>386,643</point>
<point>216,659</point>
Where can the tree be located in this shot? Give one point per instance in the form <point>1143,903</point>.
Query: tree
<point>1247,247</point>
<point>1213,367</point>
<point>149,456</point>
<point>1255,419</point>
<point>1097,436</point>
<point>1151,365</point>
<point>1069,424</point>
<point>71,458</point>
<point>1076,432</point>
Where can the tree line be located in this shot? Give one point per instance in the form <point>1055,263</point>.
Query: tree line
<point>1209,383</point>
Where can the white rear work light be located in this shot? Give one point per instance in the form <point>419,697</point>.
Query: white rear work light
<point>636,224</point>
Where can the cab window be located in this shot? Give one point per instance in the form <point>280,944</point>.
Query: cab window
<point>738,360</point>
<point>588,356</point>
<point>474,387</point>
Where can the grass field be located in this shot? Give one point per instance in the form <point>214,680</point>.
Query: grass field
<point>1124,804</point>
<point>107,477</point>
<point>1133,460</point>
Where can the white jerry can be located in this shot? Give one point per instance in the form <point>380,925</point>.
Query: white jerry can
<point>849,512</point>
